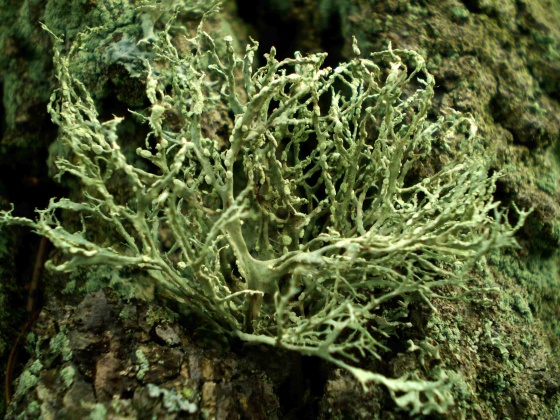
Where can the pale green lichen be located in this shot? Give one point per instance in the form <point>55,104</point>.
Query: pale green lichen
<point>29,378</point>
<point>172,400</point>
<point>33,411</point>
<point>143,365</point>
<point>67,374</point>
<point>158,314</point>
<point>60,344</point>
<point>299,229</point>
<point>98,411</point>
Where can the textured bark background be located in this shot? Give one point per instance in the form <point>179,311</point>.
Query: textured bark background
<point>93,352</point>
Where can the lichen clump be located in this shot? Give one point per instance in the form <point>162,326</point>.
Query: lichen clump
<point>303,225</point>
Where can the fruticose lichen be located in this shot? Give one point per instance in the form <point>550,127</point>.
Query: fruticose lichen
<point>307,222</point>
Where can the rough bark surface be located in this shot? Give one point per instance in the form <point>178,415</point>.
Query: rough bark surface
<point>129,360</point>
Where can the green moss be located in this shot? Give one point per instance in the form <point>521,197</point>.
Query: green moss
<point>539,276</point>
<point>555,230</point>
<point>462,392</point>
<point>522,307</point>
<point>443,331</point>
<point>556,409</point>
<point>547,42</point>
<point>460,12</point>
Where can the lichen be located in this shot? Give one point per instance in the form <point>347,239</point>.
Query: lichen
<point>98,412</point>
<point>67,374</point>
<point>173,401</point>
<point>302,227</point>
<point>143,364</point>
<point>29,378</point>
<point>60,345</point>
